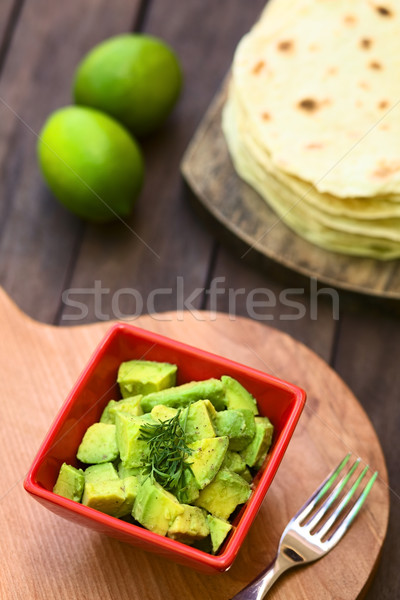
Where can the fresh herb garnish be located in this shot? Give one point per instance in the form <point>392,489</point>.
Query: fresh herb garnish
<point>166,459</point>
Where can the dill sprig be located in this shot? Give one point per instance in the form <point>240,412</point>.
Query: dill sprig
<point>166,458</point>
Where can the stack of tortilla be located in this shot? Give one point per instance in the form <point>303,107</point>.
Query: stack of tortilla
<point>312,120</point>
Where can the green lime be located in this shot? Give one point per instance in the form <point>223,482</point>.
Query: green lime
<point>135,78</point>
<point>91,163</point>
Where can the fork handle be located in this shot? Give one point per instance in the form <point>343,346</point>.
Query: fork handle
<point>258,588</point>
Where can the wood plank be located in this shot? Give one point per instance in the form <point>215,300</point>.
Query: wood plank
<point>38,236</point>
<point>43,556</point>
<point>6,10</point>
<point>308,312</point>
<point>174,245</point>
<point>367,358</point>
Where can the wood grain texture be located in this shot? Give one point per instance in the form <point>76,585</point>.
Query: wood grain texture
<point>6,11</point>
<point>367,357</point>
<point>36,79</point>
<point>164,242</point>
<point>239,215</point>
<point>309,315</point>
<point>43,556</point>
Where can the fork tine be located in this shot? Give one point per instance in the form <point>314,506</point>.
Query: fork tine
<point>334,517</point>
<point>320,492</point>
<point>343,527</point>
<point>322,511</point>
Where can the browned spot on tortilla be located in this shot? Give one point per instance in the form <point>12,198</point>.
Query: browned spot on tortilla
<point>359,104</point>
<point>385,169</point>
<point>366,43</point>
<point>384,126</point>
<point>308,104</point>
<point>383,104</point>
<point>258,67</point>
<point>350,19</point>
<point>382,10</point>
<point>363,85</point>
<point>314,146</point>
<point>375,65</point>
<point>332,70</point>
<point>266,116</point>
<point>285,45</point>
<point>313,47</point>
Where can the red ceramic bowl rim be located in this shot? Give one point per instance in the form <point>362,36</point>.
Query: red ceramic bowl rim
<point>219,562</point>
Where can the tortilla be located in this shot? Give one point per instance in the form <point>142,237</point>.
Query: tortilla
<point>321,149</point>
<point>321,83</point>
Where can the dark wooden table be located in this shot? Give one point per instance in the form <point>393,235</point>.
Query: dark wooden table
<point>165,259</point>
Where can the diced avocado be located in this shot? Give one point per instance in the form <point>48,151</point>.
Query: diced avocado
<point>130,405</point>
<point>195,418</point>
<point>219,529</point>
<point>130,485</point>
<point>99,444</point>
<point>246,474</point>
<point>257,450</point>
<point>162,412</point>
<point>155,508</point>
<point>207,458</point>
<point>133,451</point>
<point>237,396</point>
<point>70,482</point>
<point>198,421</point>
<point>182,395</point>
<point>190,490</point>
<point>145,377</point>
<point>238,424</point>
<point>101,472</point>
<point>106,416</point>
<point>234,462</point>
<point>223,494</point>
<point>190,526</point>
<point>106,496</point>
<point>211,409</point>
<point>125,471</point>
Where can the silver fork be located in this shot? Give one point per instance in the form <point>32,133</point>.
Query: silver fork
<point>305,541</point>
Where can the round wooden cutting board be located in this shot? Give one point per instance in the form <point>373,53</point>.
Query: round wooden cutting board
<point>43,556</point>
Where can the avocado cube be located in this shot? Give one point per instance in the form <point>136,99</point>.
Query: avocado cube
<point>130,485</point>
<point>246,474</point>
<point>106,416</point>
<point>206,458</point>
<point>101,472</point>
<point>130,405</point>
<point>195,419</point>
<point>238,424</point>
<point>155,508</point>
<point>255,453</point>
<point>70,482</point>
<point>190,526</point>
<point>133,451</point>
<point>125,471</point>
<point>145,376</point>
<point>99,444</point>
<point>198,421</point>
<point>182,395</point>
<point>234,462</point>
<point>236,396</point>
<point>163,413</point>
<point>219,529</point>
<point>188,493</point>
<point>223,494</point>
<point>105,496</point>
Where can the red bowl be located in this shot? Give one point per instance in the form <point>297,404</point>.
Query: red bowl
<point>282,402</point>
